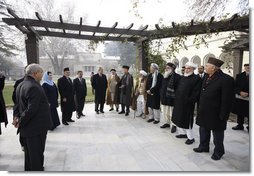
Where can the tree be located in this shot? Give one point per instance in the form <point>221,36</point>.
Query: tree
<point>126,51</point>
<point>156,58</point>
<point>57,49</point>
<point>200,9</point>
<point>7,46</point>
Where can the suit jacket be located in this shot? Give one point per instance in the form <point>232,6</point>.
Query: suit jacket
<point>100,85</point>
<point>153,101</point>
<point>241,107</point>
<point>32,108</point>
<point>215,102</point>
<point>80,88</point>
<point>65,89</point>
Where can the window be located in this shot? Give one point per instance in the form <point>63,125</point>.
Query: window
<point>89,68</point>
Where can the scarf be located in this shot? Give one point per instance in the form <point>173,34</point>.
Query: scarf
<point>154,75</point>
<point>45,79</point>
<point>171,87</point>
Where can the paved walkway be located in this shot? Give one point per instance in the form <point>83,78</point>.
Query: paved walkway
<point>112,142</point>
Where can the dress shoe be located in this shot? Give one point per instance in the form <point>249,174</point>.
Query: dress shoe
<point>97,112</point>
<point>78,116</point>
<point>200,150</point>
<point>83,115</point>
<point>189,141</point>
<point>111,109</point>
<point>165,126</point>
<point>156,122</point>
<point>216,157</point>
<point>65,123</point>
<point>122,112</point>
<point>102,112</point>
<point>127,114</point>
<point>139,115</point>
<point>70,120</point>
<point>117,109</point>
<point>150,120</point>
<point>238,127</point>
<point>181,136</point>
<point>173,129</point>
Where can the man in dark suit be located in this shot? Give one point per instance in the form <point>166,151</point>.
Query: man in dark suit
<point>65,89</point>
<point>99,84</point>
<point>32,117</point>
<point>241,101</point>
<point>214,108</point>
<point>80,92</point>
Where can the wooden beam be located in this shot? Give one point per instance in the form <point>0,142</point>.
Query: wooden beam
<point>40,18</point>
<point>84,37</point>
<point>80,23</point>
<point>192,22</point>
<point>141,29</point>
<point>113,27</point>
<point>72,27</point>
<point>33,31</point>
<point>173,24</point>
<point>233,18</point>
<point>157,27</point>
<point>97,26</point>
<point>239,23</point>
<point>127,29</point>
<point>61,21</point>
<point>211,20</point>
<point>12,13</point>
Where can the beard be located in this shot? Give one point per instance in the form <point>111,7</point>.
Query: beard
<point>167,73</point>
<point>188,74</point>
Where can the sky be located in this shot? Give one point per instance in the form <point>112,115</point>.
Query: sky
<point>121,11</point>
<point>110,11</point>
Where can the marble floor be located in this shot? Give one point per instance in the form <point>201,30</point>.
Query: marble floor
<point>112,142</point>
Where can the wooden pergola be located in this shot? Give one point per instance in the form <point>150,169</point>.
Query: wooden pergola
<point>35,29</point>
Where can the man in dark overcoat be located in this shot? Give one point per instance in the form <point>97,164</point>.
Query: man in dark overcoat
<point>99,84</point>
<point>241,101</point>
<point>65,89</point>
<point>32,117</point>
<point>153,86</point>
<point>80,92</point>
<point>169,86</point>
<point>215,103</point>
<point>3,114</point>
<point>186,96</point>
<point>126,87</point>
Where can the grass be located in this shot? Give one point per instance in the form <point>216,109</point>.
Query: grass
<point>8,89</point>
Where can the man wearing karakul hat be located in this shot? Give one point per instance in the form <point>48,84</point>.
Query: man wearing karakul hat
<point>126,87</point>
<point>66,92</point>
<point>214,107</point>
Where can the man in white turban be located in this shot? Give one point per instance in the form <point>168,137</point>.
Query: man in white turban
<point>140,93</point>
<point>187,94</point>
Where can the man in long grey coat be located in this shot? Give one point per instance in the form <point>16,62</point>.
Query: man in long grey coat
<point>126,87</point>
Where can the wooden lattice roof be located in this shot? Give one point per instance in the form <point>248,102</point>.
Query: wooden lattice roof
<point>62,29</point>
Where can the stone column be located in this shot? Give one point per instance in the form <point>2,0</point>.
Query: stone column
<point>237,61</point>
<point>32,48</point>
